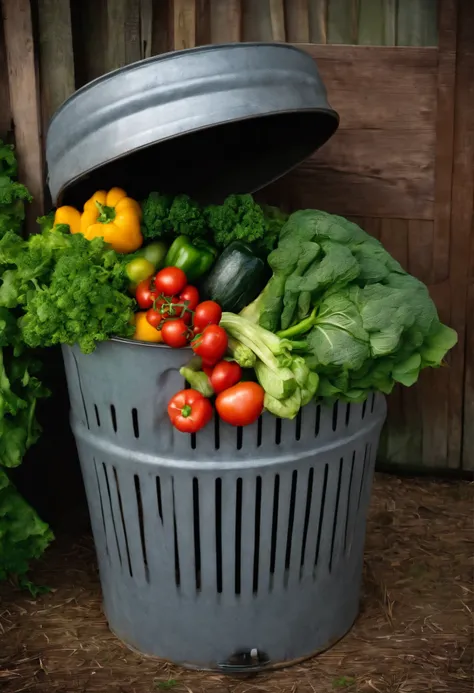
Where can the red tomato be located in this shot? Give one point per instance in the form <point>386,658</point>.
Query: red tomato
<point>225,374</point>
<point>175,333</point>
<point>190,295</point>
<point>211,344</point>
<point>207,313</point>
<point>146,294</point>
<point>163,309</point>
<point>241,404</point>
<point>189,411</point>
<point>170,281</point>
<point>207,370</point>
<point>154,317</point>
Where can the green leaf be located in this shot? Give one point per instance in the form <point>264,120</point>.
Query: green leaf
<point>8,164</point>
<point>406,372</point>
<point>437,344</point>
<point>338,338</point>
<point>23,536</point>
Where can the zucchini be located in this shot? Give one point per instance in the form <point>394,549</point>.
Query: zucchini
<point>236,279</point>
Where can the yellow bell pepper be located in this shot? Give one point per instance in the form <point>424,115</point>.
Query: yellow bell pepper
<point>144,332</point>
<point>68,215</point>
<point>114,217</point>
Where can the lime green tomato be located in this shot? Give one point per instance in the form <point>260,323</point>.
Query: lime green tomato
<point>155,253</point>
<point>139,269</point>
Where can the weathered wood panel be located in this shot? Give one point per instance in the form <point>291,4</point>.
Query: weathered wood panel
<point>381,162</point>
<point>462,249</point>
<point>444,138</point>
<point>56,55</point>
<point>184,24</point>
<point>5,111</point>
<point>366,172</point>
<point>24,101</point>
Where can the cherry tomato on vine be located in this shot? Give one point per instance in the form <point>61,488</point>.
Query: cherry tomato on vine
<point>170,281</point>
<point>175,333</point>
<point>190,295</point>
<point>241,404</point>
<point>189,411</point>
<point>163,309</point>
<point>225,374</point>
<point>207,313</point>
<point>210,345</point>
<point>146,294</point>
<point>154,318</point>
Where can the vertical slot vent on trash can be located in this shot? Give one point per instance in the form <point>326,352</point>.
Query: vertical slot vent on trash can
<point>136,425</point>
<point>276,500</point>
<point>97,417</point>
<point>141,524</point>
<point>217,433</point>
<point>362,478</point>
<point>256,550</point>
<point>335,411</point>
<point>238,534</point>
<point>239,437</point>
<point>364,409</point>
<point>336,513</point>
<point>298,425</point>
<point>79,382</point>
<point>277,431</point>
<point>99,490</point>
<point>349,495</point>
<point>122,517</point>
<point>348,413</point>
<point>291,521</point>
<point>259,431</point>
<point>317,422</point>
<point>177,571</point>
<point>307,512</point>
<point>197,535</point>
<point>111,507</point>
<point>321,515</point>
<point>218,516</point>
<point>113,416</point>
<point>372,405</point>
<point>158,498</point>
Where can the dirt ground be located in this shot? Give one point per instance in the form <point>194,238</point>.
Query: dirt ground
<point>414,634</point>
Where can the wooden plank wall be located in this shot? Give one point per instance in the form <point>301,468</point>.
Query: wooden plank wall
<point>400,165</point>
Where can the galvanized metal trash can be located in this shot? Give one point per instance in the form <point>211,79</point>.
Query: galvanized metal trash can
<point>232,548</point>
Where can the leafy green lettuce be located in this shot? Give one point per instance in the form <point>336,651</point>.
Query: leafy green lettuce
<point>366,322</point>
<point>23,536</point>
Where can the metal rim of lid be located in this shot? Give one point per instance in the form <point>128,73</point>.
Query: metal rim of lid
<point>167,56</point>
<point>83,139</point>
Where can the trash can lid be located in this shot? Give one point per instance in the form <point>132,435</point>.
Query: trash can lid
<point>206,121</point>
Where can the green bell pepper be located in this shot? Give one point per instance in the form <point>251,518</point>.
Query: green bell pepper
<point>194,258</point>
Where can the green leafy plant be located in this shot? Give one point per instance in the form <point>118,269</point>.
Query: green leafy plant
<point>366,324</point>
<point>23,536</point>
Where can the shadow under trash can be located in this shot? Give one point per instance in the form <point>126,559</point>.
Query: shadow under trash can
<point>231,549</point>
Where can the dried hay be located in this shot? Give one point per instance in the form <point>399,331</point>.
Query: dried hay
<point>415,632</point>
